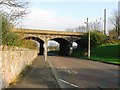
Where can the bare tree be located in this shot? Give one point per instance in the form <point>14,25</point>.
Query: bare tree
<point>81,28</point>
<point>13,9</point>
<point>96,25</point>
<point>115,21</point>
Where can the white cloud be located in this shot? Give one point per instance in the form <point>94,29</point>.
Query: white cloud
<point>48,19</point>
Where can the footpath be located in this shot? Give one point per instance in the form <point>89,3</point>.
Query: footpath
<point>39,75</point>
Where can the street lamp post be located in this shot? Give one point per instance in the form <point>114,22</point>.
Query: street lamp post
<point>88,39</point>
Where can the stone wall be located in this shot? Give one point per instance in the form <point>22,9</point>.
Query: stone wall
<point>13,61</point>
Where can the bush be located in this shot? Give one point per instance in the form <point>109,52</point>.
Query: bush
<point>96,38</point>
<point>8,37</point>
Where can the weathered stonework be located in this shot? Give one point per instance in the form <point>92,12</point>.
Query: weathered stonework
<point>12,62</point>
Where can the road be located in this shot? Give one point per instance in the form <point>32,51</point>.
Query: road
<point>78,73</point>
<point>67,72</point>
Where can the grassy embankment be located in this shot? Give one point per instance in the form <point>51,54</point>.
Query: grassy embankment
<point>104,53</point>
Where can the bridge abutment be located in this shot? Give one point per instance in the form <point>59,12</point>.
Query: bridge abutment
<point>65,49</point>
<point>41,48</point>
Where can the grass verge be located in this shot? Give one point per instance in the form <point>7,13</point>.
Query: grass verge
<point>104,53</point>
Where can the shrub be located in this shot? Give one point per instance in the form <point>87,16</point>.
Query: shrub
<point>96,38</point>
<point>8,37</point>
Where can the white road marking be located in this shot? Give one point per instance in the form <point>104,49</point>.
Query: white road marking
<point>64,81</point>
<point>74,72</point>
<point>68,83</point>
<point>56,76</point>
<point>69,72</point>
<point>66,69</point>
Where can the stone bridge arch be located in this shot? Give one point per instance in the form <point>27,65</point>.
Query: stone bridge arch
<point>78,43</point>
<point>64,46</point>
<point>34,35</point>
<point>65,43</point>
<point>40,41</point>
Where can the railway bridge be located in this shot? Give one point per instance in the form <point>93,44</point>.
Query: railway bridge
<point>65,39</point>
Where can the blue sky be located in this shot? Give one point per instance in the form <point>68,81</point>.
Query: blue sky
<point>77,9</point>
<point>62,15</point>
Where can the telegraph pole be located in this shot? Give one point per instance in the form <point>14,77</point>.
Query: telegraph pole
<point>105,21</point>
<point>118,19</point>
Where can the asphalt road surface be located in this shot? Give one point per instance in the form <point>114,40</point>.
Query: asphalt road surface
<point>78,73</point>
<point>66,72</point>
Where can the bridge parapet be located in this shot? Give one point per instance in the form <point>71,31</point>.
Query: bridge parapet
<point>47,32</point>
<point>48,35</point>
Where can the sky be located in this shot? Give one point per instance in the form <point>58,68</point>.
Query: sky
<point>60,15</point>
